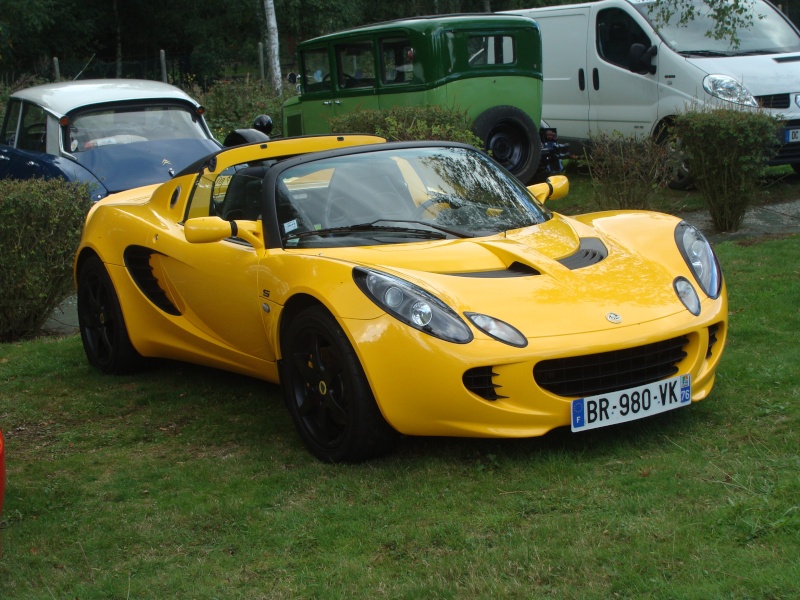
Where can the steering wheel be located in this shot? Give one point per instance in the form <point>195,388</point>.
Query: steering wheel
<point>426,207</point>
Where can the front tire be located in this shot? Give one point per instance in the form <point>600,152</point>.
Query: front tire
<point>103,331</point>
<point>327,393</point>
<point>512,139</point>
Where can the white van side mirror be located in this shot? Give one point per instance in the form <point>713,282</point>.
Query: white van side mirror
<point>640,59</point>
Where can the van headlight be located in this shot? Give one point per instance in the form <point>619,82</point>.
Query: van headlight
<point>412,305</point>
<point>729,89</point>
<point>700,258</point>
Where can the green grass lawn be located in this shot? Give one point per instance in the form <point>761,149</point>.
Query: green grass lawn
<point>191,483</point>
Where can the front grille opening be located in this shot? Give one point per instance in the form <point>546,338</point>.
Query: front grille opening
<point>582,376</point>
<point>480,381</point>
<point>712,338</point>
<point>773,101</point>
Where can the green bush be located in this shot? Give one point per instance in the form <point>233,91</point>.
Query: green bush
<point>235,104</point>
<point>726,151</point>
<point>40,227</point>
<point>409,123</point>
<point>626,171</point>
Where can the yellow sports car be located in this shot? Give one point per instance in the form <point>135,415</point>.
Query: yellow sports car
<point>402,288</point>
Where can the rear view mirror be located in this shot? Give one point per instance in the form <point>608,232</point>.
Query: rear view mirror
<point>640,59</point>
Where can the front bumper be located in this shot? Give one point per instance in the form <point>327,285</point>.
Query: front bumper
<point>421,388</point>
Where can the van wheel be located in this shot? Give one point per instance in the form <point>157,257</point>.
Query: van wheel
<point>512,139</point>
<point>680,179</point>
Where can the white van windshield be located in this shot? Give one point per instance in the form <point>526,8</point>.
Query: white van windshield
<point>760,30</point>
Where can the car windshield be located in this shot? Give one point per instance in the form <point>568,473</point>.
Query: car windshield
<point>400,195</point>
<point>763,30</point>
<point>132,145</point>
<point>131,124</point>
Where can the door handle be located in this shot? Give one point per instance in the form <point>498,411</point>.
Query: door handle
<point>581,79</point>
<point>596,79</point>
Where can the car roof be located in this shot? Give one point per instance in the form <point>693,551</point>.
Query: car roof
<point>431,23</point>
<point>62,97</point>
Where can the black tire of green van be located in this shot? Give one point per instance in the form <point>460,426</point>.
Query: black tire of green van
<point>512,139</point>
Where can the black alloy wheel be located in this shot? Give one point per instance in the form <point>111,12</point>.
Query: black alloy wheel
<point>327,393</point>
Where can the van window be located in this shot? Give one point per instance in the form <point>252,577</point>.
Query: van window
<point>616,33</point>
<point>356,65</point>
<point>316,70</point>
<point>397,60</point>
<point>491,50</point>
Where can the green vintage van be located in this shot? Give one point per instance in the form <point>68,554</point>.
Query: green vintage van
<point>488,65</point>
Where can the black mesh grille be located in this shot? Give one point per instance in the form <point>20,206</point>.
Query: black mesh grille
<point>479,381</point>
<point>773,101</point>
<point>592,374</point>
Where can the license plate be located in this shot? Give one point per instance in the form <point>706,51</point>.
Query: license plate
<point>631,404</point>
<point>792,135</point>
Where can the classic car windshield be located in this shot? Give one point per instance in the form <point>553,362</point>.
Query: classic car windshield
<point>151,140</point>
<point>400,195</point>
<point>131,124</point>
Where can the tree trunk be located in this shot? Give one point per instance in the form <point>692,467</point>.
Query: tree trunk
<point>118,40</point>
<point>273,46</point>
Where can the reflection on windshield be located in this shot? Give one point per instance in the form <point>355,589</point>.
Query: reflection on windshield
<point>690,26</point>
<point>393,196</point>
<point>131,124</point>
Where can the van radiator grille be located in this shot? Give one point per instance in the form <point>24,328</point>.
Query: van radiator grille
<point>773,101</point>
<point>581,376</point>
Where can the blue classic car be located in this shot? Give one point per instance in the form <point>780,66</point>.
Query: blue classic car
<point>114,134</point>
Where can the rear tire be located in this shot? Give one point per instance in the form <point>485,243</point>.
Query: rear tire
<point>327,393</point>
<point>512,139</point>
<point>103,331</point>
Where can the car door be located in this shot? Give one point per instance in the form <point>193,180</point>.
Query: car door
<point>565,91</point>
<point>317,76</point>
<point>24,141</point>
<point>356,76</point>
<point>215,285</point>
<point>619,99</point>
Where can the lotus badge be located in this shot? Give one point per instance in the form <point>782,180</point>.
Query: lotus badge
<point>614,318</point>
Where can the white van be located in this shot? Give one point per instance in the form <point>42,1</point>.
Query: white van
<point>607,68</point>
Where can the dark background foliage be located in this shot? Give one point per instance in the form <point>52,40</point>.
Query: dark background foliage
<point>205,39</point>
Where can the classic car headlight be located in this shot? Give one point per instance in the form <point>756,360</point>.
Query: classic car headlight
<point>412,305</point>
<point>687,295</point>
<point>700,257</point>
<point>729,89</point>
<point>497,329</point>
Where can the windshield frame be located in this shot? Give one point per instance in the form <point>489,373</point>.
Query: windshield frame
<point>528,210</point>
<point>692,38</point>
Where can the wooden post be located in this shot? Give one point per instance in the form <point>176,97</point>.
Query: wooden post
<point>56,69</point>
<point>261,61</point>
<point>163,57</point>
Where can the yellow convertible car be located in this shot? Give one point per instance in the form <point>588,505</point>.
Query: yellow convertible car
<point>402,288</point>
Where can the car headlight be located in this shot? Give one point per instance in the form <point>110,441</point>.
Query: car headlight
<point>497,329</point>
<point>687,295</point>
<point>697,253</point>
<point>729,89</point>
<point>412,305</point>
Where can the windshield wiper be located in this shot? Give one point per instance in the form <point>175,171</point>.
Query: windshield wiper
<point>705,53</point>
<point>366,227</point>
<point>455,232</point>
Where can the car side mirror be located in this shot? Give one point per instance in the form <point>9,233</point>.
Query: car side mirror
<point>553,188</point>
<point>640,59</point>
<point>205,230</point>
